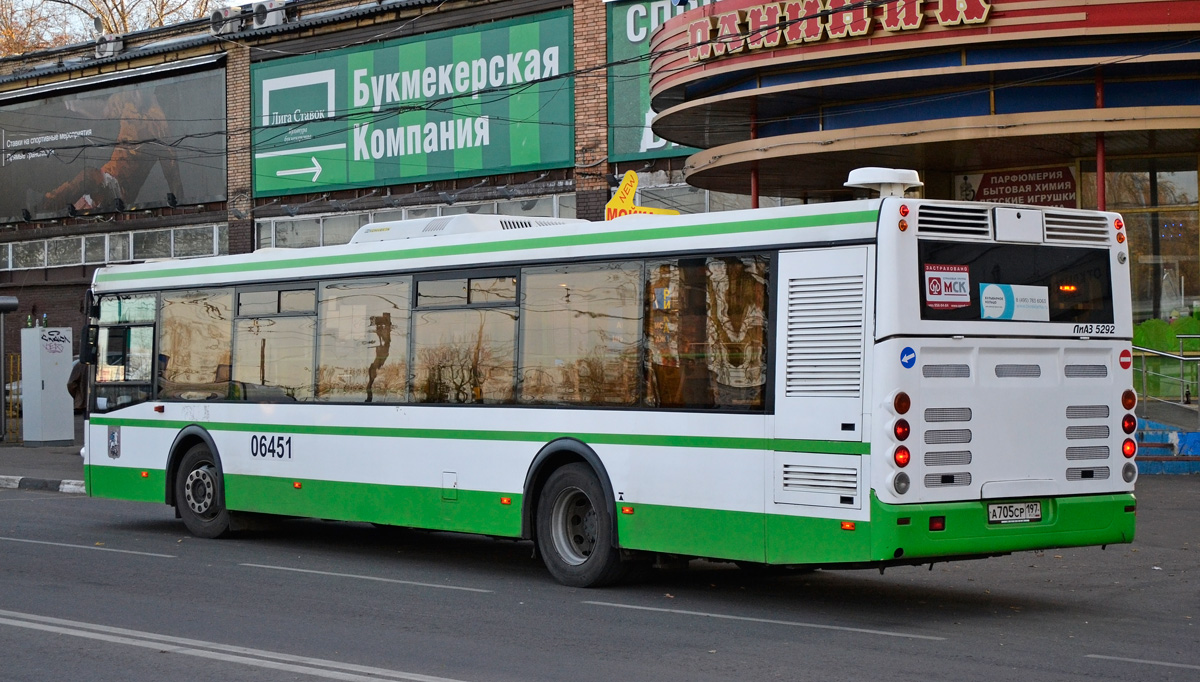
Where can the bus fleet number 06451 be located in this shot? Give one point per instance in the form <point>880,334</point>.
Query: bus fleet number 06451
<point>271,447</point>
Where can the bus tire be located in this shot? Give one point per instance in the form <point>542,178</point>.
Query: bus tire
<point>574,529</point>
<point>198,493</point>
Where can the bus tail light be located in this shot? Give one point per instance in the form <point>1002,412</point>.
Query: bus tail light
<point>937,523</point>
<point>901,403</point>
<point>1129,472</point>
<point>1129,423</point>
<point>903,224</point>
<point>902,456</point>
<point>900,483</point>
<point>1128,399</point>
<point>903,210</point>
<point>1118,223</point>
<point>1129,447</point>
<point>901,429</point>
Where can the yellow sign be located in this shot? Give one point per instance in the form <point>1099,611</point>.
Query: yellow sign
<point>622,202</point>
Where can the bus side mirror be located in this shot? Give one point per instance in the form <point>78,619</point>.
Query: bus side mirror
<point>87,350</point>
<point>8,304</point>
<point>89,305</point>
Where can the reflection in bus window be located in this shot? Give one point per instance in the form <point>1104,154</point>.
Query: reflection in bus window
<point>275,353</point>
<point>706,332</point>
<point>581,327</point>
<point>127,309</point>
<point>464,355</point>
<point>363,341</point>
<point>197,330</point>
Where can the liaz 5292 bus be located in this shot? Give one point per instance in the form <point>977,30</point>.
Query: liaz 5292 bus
<point>869,383</point>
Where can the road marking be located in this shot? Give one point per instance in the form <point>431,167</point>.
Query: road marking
<point>370,577</point>
<point>769,621</point>
<point>1145,662</point>
<point>101,549</point>
<point>213,650</point>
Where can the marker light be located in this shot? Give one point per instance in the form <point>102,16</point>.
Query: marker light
<point>902,456</point>
<point>903,224</point>
<point>627,510</point>
<point>297,485</point>
<point>901,429</point>
<point>145,474</point>
<point>1128,399</point>
<point>505,500</point>
<point>1068,288</point>
<point>901,403</point>
<point>1118,223</point>
<point>1129,423</point>
<point>937,523</point>
<point>847,525</point>
<point>903,210</point>
<point>1129,447</point>
<point>1120,237</point>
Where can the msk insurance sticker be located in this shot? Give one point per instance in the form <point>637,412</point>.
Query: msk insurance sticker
<point>947,286</point>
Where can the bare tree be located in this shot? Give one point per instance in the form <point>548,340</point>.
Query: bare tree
<point>124,16</point>
<point>29,25</point>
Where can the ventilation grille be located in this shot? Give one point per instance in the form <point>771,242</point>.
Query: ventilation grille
<point>947,480</point>
<point>1086,371</point>
<point>515,224</point>
<point>946,371</point>
<point>1086,432</point>
<point>948,459</point>
<point>963,221</point>
<point>825,336</point>
<point>948,436</point>
<point>1018,371</point>
<point>808,478</point>
<point>1087,412</point>
<point>947,414</point>
<point>437,225</point>
<point>1088,474</point>
<point>1069,227</point>
<point>1088,452</point>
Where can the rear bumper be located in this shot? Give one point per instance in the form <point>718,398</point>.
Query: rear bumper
<point>903,531</point>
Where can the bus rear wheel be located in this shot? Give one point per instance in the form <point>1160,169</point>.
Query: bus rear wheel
<point>199,495</point>
<point>574,529</point>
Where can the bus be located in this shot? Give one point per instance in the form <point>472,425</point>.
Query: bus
<point>877,382</point>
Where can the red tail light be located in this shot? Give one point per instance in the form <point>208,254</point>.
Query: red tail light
<point>1129,448</point>
<point>901,403</point>
<point>1129,423</point>
<point>901,429</point>
<point>902,456</point>
<point>1128,399</point>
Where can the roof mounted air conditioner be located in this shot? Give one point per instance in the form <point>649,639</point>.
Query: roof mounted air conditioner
<point>225,20</point>
<point>269,13</point>
<point>108,45</point>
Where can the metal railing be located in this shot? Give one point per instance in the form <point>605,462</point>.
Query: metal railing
<point>1186,379</point>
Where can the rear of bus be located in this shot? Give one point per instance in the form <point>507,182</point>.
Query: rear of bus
<point>1001,402</point>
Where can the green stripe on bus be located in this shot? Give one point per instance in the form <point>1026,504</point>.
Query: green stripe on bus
<point>639,235</point>
<point>674,441</point>
<point>124,483</point>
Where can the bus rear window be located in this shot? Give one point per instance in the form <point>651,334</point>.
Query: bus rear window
<point>1014,283</point>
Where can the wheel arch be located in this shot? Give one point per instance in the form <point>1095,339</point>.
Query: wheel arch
<point>187,438</point>
<point>553,455</point>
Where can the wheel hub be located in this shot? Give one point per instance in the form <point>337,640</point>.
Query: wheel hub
<point>199,489</point>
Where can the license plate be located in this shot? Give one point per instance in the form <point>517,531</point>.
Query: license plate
<point>1021,512</point>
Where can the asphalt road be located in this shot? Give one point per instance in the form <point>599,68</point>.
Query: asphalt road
<point>103,590</point>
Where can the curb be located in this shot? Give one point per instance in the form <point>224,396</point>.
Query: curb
<point>27,483</point>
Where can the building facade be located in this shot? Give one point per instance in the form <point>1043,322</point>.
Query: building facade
<point>290,125</point>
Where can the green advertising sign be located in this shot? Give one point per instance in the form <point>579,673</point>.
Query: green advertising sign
<point>491,99</point>
<point>630,23</point>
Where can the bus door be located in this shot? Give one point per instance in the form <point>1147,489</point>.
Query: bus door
<point>823,325</point>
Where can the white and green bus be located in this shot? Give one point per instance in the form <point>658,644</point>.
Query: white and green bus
<point>868,383</point>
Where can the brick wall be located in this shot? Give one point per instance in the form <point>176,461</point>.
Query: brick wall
<point>591,109</point>
<point>237,158</point>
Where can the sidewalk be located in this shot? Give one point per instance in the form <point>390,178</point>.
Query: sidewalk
<point>44,468</point>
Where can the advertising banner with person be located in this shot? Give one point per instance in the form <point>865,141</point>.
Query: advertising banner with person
<point>139,145</point>
<point>495,98</point>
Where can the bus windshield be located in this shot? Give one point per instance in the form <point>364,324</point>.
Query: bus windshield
<point>1014,282</point>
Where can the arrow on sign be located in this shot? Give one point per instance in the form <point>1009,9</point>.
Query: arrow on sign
<point>315,169</point>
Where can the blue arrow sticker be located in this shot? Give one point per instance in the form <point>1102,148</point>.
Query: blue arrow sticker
<point>908,357</point>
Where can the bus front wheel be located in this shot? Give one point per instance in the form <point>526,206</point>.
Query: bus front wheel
<point>574,529</point>
<point>198,494</point>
